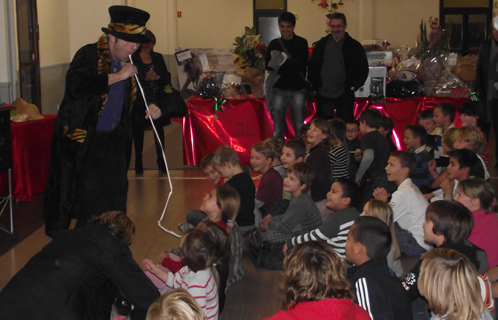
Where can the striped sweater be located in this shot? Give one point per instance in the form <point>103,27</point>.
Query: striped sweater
<point>201,285</point>
<point>334,230</point>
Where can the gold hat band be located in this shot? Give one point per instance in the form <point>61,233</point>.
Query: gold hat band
<point>127,28</point>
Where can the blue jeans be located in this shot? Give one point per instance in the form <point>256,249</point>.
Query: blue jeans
<point>406,242</point>
<point>296,102</point>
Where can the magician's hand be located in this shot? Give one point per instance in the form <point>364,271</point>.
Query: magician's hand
<point>154,112</point>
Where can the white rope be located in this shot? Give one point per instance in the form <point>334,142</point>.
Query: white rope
<point>164,158</point>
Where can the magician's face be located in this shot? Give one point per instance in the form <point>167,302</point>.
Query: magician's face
<point>121,49</point>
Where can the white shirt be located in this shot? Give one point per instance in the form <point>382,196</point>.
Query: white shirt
<point>409,205</point>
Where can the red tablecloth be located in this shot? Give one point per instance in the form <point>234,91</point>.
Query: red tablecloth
<point>31,147</point>
<point>245,122</point>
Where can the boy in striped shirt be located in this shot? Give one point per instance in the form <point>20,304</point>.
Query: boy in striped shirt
<point>341,200</point>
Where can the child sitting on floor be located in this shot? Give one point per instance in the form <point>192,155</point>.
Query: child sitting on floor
<point>407,202</point>
<point>478,196</point>
<point>318,158</point>
<point>302,214</point>
<point>293,151</point>
<point>353,143</point>
<point>196,216</point>
<point>463,165</point>
<point>315,286</point>
<point>415,141</point>
<point>198,276</point>
<point>473,139</point>
<point>176,304</point>
<point>338,153</point>
<point>277,149</point>
<point>447,225</point>
<point>378,290</point>
<point>450,284</point>
<point>375,153</point>
<point>270,186</point>
<point>341,200</point>
<point>227,163</point>
<point>221,206</point>
<point>381,210</point>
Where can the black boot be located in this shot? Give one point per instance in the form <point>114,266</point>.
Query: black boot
<point>139,169</point>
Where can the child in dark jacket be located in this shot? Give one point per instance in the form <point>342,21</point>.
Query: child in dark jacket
<point>377,289</point>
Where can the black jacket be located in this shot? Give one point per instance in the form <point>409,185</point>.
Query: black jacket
<point>355,61</point>
<point>75,277</point>
<point>379,292</point>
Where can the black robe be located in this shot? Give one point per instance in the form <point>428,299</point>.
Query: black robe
<point>84,97</point>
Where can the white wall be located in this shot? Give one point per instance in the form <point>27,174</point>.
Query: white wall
<point>4,66</point>
<point>54,34</point>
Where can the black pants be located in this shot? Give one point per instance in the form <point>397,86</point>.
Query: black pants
<point>138,142</point>
<point>343,106</point>
<point>103,184</point>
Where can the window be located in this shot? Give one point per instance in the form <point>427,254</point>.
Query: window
<point>266,13</point>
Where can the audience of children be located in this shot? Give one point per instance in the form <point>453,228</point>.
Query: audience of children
<point>270,186</point>
<point>449,283</point>
<point>302,214</point>
<point>319,143</point>
<point>381,210</point>
<point>416,142</point>
<point>375,153</point>
<point>316,287</point>
<point>353,144</point>
<point>447,225</point>
<point>227,163</point>
<point>338,153</point>
<point>199,277</point>
<point>341,201</point>
<point>438,168</point>
<point>378,290</point>
<point>407,202</point>
<point>176,304</point>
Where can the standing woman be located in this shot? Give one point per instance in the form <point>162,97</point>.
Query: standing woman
<point>487,78</point>
<point>154,76</point>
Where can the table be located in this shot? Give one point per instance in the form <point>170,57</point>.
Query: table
<point>31,148</point>
<point>246,121</point>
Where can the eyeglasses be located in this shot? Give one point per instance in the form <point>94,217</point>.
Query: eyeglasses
<point>352,130</point>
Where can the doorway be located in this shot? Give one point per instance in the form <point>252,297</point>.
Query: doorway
<point>29,54</point>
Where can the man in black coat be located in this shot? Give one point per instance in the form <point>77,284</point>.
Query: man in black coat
<point>337,68</point>
<point>91,145</point>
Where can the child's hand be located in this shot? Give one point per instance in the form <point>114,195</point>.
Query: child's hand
<point>429,196</point>
<point>358,182</point>
<point>432,165</point>
<point>447,186</point>
<point>149,265</point>
<point>357,155</point>
<point>381,194</point>
<point>263,225</point>
<point>284,250</point>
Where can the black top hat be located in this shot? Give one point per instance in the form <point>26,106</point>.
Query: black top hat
<point>128,23</point>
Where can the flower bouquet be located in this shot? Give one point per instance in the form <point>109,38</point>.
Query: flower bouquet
<point>250,60</point>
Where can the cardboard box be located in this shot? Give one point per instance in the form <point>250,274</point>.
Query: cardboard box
<point>380,58</point>
<point>375,83</point>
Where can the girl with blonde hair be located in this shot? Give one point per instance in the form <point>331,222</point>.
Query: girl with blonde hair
<point>382,210</point>
<point>177,304</point>
<point>449,283</point>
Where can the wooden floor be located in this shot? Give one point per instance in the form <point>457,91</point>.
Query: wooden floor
<point>257,296</point>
